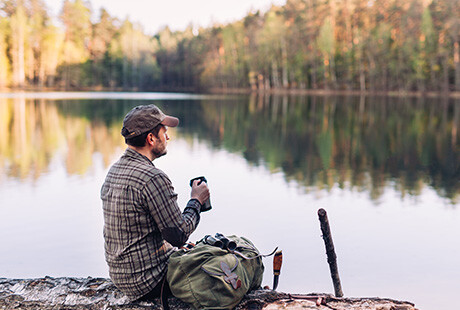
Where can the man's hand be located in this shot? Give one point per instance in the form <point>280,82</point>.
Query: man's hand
<point>200,192</point>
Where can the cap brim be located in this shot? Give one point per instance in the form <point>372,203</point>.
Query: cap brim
<point>170,121</point>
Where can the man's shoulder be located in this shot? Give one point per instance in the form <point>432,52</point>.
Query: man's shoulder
<point>152,172</point>
<point>146,169</point>
<point>133,172</point>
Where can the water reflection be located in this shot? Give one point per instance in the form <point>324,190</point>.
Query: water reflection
<point>364,144</point>
<point>35,130</point>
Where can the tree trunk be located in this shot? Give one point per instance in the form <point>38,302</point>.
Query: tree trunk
<point>18,50</point>
<point>260,82</point>
<point>3,63</point>
<point>455,122</point>
<point>284,68</point>
<point>41,76</point>
<point>362,78</point>
<point>314,81</point>
<point>125,72</point>
<point>457,65</point>
<point>445,74</point>
<point>275,78</point>
<point>332,72</point>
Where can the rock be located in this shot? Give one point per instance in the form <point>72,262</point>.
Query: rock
<point>100,293</point>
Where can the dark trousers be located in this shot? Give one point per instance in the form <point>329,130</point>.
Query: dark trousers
<point>157,291</point>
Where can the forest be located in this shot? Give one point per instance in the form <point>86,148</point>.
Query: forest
<point>345,45</point>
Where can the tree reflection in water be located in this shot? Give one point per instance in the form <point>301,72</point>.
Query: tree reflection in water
<point>360,143</point>
<point>355,142</point>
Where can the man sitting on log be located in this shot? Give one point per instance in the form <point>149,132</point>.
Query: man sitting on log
<point>142,221</point>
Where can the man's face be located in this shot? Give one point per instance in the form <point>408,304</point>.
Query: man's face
<point>159,148</point>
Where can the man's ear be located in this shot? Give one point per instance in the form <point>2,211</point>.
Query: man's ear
<point>151,139</point>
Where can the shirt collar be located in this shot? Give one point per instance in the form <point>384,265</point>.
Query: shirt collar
<point>129,152</point>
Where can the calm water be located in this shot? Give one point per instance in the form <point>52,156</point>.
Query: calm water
<point>386,170</point>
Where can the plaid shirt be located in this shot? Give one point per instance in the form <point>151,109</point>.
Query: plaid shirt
<point>140,211</point>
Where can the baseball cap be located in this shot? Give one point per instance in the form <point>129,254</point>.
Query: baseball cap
<point>144,118</point>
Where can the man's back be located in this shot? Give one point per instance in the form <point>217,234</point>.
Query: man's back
<point>133,243</point>
<point>142,220</point>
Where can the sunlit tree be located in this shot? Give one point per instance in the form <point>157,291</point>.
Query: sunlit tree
<point>4,61</point>
<point>76,17</point>
<point>52,40</point>
<point>103,33</point>
<point>18,23</point>
<point>137,64</point>
<point>427,49</point>
<point>326,44</point>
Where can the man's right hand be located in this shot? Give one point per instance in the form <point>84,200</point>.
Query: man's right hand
<point>200,192</point>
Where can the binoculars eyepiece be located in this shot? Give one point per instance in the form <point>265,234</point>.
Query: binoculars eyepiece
<point>208,239</point>
<point>220,241</point>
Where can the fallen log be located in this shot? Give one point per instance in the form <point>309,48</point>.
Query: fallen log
<point>100,293</point>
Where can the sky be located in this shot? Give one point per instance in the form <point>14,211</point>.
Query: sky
<point>177,14</point>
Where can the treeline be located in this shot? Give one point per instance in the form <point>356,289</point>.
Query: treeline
<point>364,45</point>
<point>108,53</point>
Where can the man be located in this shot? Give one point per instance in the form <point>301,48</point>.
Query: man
<point>142,221</point>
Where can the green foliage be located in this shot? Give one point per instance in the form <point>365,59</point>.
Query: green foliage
<point>326,40</point>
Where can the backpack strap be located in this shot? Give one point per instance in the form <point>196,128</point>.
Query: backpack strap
<point>164,296</point>
<point>252,257</point>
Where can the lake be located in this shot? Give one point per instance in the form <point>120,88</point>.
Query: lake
<point>386,170</point>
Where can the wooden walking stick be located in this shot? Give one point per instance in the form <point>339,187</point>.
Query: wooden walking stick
<point>330,252</point>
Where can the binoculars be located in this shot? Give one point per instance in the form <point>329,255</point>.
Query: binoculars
<point>220,241</point>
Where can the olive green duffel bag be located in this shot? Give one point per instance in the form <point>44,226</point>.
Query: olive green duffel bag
<point>216,273</point>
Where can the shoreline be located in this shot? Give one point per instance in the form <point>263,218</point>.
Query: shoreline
<point>248,91</point>
<point>323,92</point>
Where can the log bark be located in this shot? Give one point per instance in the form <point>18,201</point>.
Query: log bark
<point>100,294</point>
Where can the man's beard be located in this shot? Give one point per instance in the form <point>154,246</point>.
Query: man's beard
<point>159,152</point>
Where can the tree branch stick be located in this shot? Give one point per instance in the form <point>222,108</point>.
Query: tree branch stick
<point>330,252</point>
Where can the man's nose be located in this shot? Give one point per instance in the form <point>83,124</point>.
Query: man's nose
<point>167,137</point>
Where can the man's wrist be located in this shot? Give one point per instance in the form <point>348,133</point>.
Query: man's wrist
<point>195,205</point>
<point>196,199</point>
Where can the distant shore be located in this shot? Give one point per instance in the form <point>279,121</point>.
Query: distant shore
<point>247,91</point>
<point>332,92</point>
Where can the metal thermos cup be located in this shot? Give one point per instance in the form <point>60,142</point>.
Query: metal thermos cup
<point>207,204</point>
